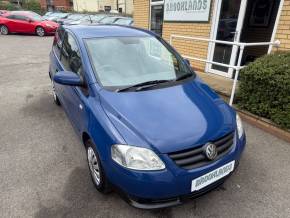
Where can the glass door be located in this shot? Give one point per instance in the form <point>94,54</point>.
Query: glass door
<point>156,16</point>
<point>227,27</point>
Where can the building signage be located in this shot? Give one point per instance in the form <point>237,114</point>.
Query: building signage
<point>187,10</point>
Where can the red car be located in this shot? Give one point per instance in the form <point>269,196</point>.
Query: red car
<point>26,22</point>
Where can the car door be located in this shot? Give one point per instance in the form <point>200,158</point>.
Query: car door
<point>11,23</point>
<point>23,24</point>
<point>74,98</point>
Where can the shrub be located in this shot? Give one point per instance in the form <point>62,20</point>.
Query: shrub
<point>264,88</point>
<point>32,5</point>
<point>8,6</point>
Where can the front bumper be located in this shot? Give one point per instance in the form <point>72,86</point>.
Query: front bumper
<point>168,187</point>
<point>50,30</point>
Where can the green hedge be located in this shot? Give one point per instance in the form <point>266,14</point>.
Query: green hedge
<point>264,88</point>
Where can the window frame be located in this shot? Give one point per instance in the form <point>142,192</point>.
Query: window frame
<point>84,89</point>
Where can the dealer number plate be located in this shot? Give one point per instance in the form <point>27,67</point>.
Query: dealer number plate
<point>212,176</point>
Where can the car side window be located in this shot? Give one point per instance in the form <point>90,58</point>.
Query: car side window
<point>70,55</point>
<point>12,17</point>
<point>71,58</point>
<point>20,17</point>
<point>58,39</point>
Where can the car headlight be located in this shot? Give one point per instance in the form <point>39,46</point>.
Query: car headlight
<point>48,25</point>
<point>239,126</point>
<point>136,158</point>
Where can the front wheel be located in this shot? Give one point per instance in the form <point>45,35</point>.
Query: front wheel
<point>96,170</point>
<point>40,31</point>
<point>55,98</point>
<point>4,30</point>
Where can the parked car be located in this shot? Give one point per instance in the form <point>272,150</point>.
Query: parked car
<point>57,16</point>
<point>47,15</point>
<point>125,21</point>
<point>109,19</point>
<point>151,128</point>
<point>3,12</point>
<point>97,17</point>
<point>72,18</point>
<point>90,19</point>
<point>26,22</point>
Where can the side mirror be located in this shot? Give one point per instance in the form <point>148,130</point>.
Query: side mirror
<point>68,78</point>
<point>30,20</point>
<point>187,61</point>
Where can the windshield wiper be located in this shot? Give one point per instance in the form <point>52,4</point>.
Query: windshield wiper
<point>184,76</point>
<point>143,85</point>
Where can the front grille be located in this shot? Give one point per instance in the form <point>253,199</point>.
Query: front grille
<point>193,158</point>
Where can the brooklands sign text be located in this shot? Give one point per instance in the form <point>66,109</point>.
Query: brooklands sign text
<point>186,10</point>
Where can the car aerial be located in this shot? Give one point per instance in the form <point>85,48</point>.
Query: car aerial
<point>152,129</point>
<point>125,21</point>
<point>26,22</point>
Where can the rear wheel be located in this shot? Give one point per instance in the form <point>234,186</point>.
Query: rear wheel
<point>4,30</point>
<point>40,31</point>
<point>96,170</point>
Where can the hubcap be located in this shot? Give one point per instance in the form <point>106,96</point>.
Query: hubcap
<point>40,31</point>
<point>53,91</point>
<point>4,30</point>
<point>94,166</point>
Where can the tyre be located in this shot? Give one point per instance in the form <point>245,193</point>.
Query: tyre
<point>96,170</point>
<point>4,30</point>
<point>39,31</point>
<point>55,98</point>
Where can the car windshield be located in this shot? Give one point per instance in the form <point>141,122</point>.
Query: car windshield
<point>36,17</point>
<point>120,62</point>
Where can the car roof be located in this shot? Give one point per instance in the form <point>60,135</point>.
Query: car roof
<point>24,13</point>
<point>101,31</point>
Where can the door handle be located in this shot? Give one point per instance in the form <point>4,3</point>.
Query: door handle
<point>81,106</point>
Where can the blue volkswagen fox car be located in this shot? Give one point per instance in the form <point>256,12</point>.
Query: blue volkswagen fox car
<point>152,129</point>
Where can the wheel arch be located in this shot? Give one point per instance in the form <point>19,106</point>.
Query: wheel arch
<point>85,138</point>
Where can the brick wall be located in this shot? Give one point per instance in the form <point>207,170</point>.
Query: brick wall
<point>283,31</point>
<point>188,47</point>
<point>58,4</point>
<point>141,13</point>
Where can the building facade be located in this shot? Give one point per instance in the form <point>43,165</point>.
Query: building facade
<point>59,5</point>
<point>122,6</point>
<point>247,21</point>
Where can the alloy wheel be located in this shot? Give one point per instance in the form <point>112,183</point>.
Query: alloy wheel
<point>40,31</point>
<point>3,30</point>
<point>93,165</point>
